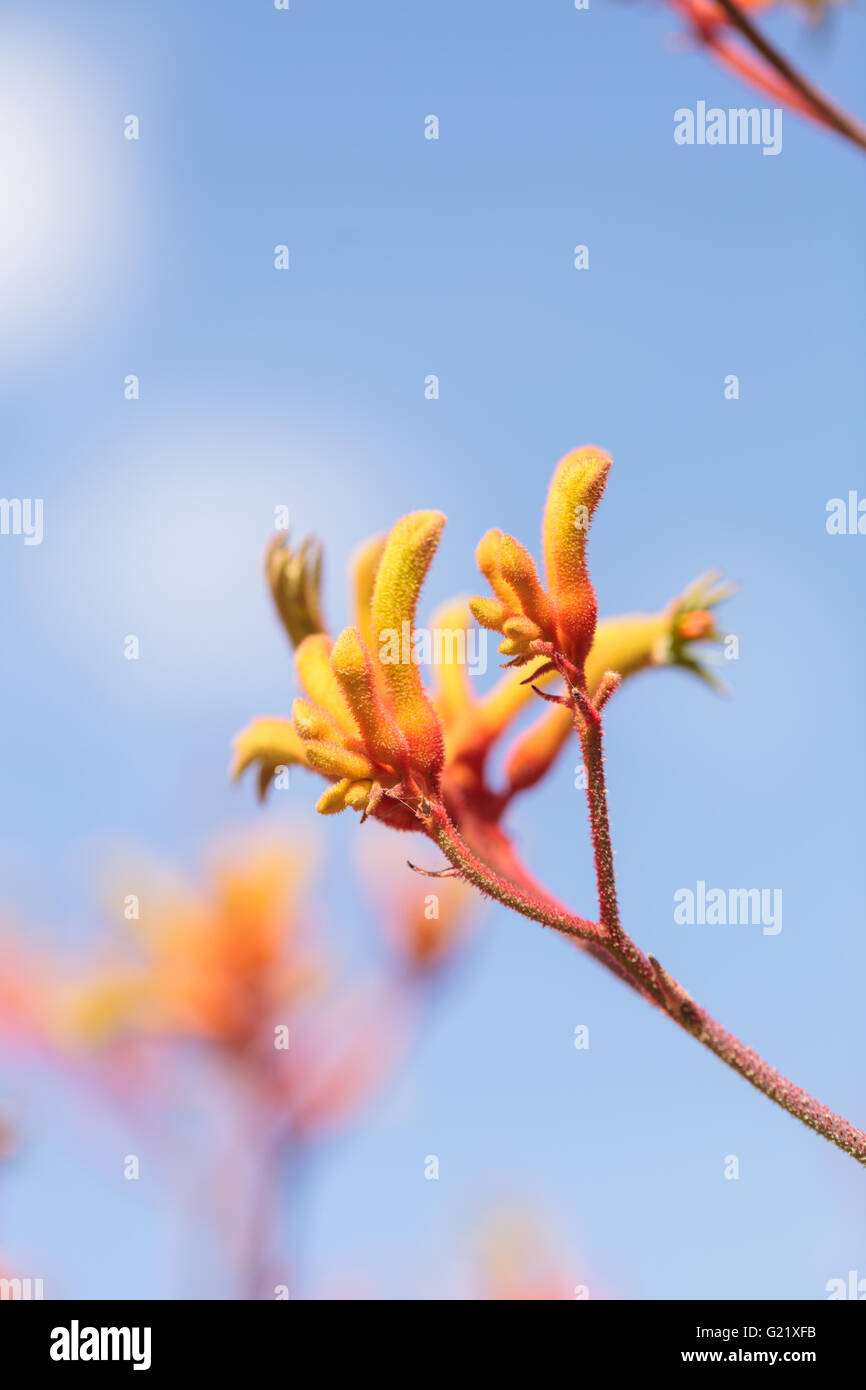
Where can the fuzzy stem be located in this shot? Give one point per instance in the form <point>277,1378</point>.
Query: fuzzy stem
<point>596,791</point>
<point>442,829</point>
<point>589,732</point>
<point>652,981</point>
<point>493,847</point>
<point>773,1084</point>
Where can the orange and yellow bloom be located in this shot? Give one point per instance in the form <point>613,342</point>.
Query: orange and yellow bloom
<point>365,721</point>
<point>562,618</point>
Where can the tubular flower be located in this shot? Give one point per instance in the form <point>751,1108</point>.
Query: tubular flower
<point>633,643</point>
<point>366,723</point>
<point>560,620</point>
<point>294,577</point>
<point>210,965</point>
<point>271,743</point>
<point>453,695</point>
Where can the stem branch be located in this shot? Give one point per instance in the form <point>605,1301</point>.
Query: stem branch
<point>550,914</point>
<point>612,945</point>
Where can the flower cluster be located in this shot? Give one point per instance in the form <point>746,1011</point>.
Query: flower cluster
<point>367,724</point>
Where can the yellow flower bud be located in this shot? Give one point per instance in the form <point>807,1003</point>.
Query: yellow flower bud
<point>335,761</point>
<point>353,668</point>
<point>574,494</point>
<point>313,662</point>
<point>363,567</point>
<point>408,552</point>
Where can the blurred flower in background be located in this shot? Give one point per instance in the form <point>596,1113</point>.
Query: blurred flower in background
<point>232,974</point>
<point>518,1260</point>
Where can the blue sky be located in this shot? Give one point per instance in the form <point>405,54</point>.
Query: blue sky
<point>259,388</point>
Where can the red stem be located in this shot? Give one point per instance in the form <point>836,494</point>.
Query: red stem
<point>657,985</point>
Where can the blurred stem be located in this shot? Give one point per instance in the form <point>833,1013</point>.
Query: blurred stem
<point>826,109</point>
<point>271,1144</point>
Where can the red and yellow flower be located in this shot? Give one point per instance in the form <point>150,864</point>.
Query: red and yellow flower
<point>365,721</point>
<point>533,620</point>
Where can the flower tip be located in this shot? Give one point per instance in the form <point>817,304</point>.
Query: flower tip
<point>487,552</point>
<point>348,659</point>
<point>698,626</point>
<point>294,575</point>
<point>422,530</point>
<point>406,558</point>
<point>583,473</point>
<point>575,491</point>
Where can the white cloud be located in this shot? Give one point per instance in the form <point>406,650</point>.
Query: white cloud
<point>71,206</point>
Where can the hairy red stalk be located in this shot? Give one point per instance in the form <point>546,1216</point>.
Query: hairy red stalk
<point>610,944</point>
<point>441,828</point>
<point>493,847</point>
<point>772,1083</point>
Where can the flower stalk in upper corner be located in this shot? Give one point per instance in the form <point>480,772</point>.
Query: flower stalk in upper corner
<point>765,68</point>
<point>389,750</point>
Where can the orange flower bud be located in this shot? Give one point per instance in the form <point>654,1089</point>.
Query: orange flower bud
<point>519,573</point>
<point>343,794</point>
<point>311,722</point>
<point>489,613</point>
<point>521,630</point>
<point>535,751</point>
<point>488,557</point>
<point>358,794</point>
<point>562,620</point>
<point>336,761</point>
<point>354,670</point>
<point>575,492</point>
<point>699,626</point>
<point>333,799</point>
<point>627,645</point>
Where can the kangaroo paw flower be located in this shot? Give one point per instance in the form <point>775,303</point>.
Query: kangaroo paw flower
<point>364,722</point>
<point>561,619</point>
<point>271,743</point>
